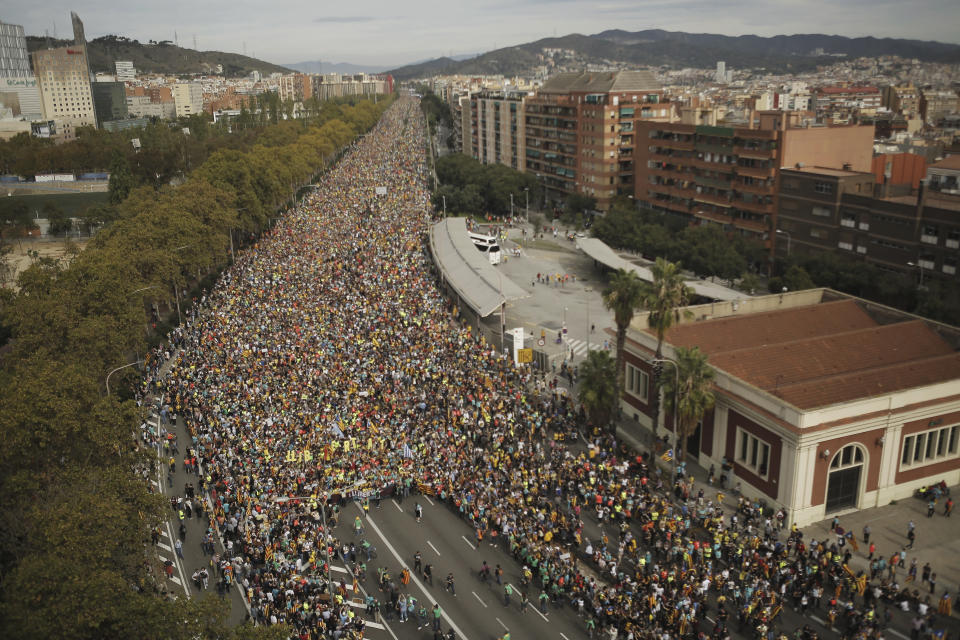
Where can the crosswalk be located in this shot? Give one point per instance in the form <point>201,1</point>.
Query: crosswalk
<point>580,347</point>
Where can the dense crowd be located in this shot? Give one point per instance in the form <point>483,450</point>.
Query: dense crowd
<point>326,361</point>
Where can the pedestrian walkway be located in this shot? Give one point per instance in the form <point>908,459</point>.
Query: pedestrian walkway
<point>579,348</point>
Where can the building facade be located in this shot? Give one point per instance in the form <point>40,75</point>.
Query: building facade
<point>188,98</point>
<point>815,412</point>
<point>125,71</point>
<point>497,128</point>
<point>827,210</point>
<point>580,131</point>
<point>109,101</point>
<point>728,175</point>
<point>63,75</point>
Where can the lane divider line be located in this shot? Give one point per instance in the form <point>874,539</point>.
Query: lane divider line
<point>416,580</point>
<point>535,609</point>
<point>399,508</point>
<point>433,547</point>
<point>468,542</point>
<point>478,599</point>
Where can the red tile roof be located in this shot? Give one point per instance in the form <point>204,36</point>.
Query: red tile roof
<point>822,354</point>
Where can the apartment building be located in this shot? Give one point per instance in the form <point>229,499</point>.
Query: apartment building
<point>497,128</point>
<point>903,99</point>
<point>935,105</point>
<point>296,87</point>
<point>63,75</point>
<point>828,210</point>
<point>580,131</point>
<point>188,98</point>
<point>109,101</point>
<point>841,103</point>
<point>728,175</point>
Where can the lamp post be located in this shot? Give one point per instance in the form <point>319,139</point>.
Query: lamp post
<point>785,233</point>
<point>118,369</point>
<point>526,193</point>
<point>676,408</point>
<point>511,205</point>
<point>919,265</point>
<point>444,206</point>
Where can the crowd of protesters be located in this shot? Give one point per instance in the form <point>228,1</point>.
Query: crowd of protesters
<point>326,363</point>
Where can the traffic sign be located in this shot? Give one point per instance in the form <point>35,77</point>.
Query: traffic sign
<point>524,356</point>
<point>541,342</point>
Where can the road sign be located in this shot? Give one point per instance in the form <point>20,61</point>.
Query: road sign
<point>541,342</point>
<point>524,356</point>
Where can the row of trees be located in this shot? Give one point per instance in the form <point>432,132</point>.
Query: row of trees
<point>74,541</point>
<point>688,392</point>
<point>472,188</point>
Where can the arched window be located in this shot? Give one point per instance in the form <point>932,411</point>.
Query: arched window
<point>850,456</point>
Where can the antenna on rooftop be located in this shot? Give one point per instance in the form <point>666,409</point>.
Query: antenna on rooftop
<point>176,40</point>
<point>195,48</point>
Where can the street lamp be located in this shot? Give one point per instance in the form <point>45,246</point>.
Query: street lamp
<point>511,205</point>
<point>444,206</point>
<point>676,408</point>
<point>920,266</point>
<point>118,369</point>
<point>785,233</point>
<point>526,193</point>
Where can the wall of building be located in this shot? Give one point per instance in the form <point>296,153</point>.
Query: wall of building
<point>831,147</point>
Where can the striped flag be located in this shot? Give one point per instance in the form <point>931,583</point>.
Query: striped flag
<point>667,456</point>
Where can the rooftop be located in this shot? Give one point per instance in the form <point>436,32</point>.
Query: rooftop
<point>601,82</point>
<point>825,171</point>
<point>836,350</point>
<point>950,162</point>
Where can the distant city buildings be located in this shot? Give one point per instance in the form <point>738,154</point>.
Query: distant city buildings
<point>125,71</point>
<point>188,98</point>
<point>63,75</point>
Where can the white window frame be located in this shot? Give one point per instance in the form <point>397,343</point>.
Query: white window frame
<point>750,451</point>
<point>637,383</point>
<point>930,446</point>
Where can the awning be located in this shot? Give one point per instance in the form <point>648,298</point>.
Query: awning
<point>468,271</point>
<point>599,251</point>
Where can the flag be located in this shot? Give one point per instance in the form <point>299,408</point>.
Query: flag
<point>667,456</point>
<point>407,452</point>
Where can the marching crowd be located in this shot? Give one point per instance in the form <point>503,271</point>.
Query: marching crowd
<point>326,362</point>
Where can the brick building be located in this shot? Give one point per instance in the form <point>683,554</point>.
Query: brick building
<point>729,175</point>
<point>829,210</point>
<point>825,403</point>
<point>497,129</point>
<point>580,131</point>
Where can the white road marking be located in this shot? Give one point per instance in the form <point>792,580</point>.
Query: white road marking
<point>155,483</point>
<point>399,508</point>
<point>501,623</point>
<point>176,580</point>
<point>416,580</point>
<point>478,599</point>
<point>535,609</point>
<point>378,625</point>
<point>564,637</point>
<point>895,632</point>
<point>433,547</point>
<point>468,542</point>
<point>177,563</point>
<point>429,500</point>
<point>711,620</point>
<point>368,623</point>
<point>818,619</point>
<point>165,547</point>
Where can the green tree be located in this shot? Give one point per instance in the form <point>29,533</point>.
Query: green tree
<point>693,398</point>
<point>797,279</point>
<point>57,220</point>
<point>121,179</point>
<point>623,296</point>
<point>668,294</point>
<point>598,387</point>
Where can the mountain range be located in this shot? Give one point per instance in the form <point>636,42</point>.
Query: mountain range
<point>784,53</point>
<point>160,57</point>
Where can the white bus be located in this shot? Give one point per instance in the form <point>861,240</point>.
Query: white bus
<point>488,245</point>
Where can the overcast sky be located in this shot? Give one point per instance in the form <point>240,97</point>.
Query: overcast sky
<point>395,32</point>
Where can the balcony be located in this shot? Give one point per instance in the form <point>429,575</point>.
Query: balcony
<point>926,264</point>
<point>713,217</point>
<point>720,183</point>
<point>751,225</point>
<point>928,239</point>
<point>755,207</point>
<point>680,145</point>
<point>713,198</point>
<point>746,152</point>
<point>952,244</point>
<point>713,148</point>
<point>949,269</point>
<point>756,172</point>
<point>848,223</point>
<point>864,226</point>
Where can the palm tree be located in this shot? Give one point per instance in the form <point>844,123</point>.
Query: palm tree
<point>694,396</point>
<point>598,387</point>
<point>668,294</point>
<point>623,296</point>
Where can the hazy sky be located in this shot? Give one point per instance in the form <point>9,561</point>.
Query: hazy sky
<point>395,32</point>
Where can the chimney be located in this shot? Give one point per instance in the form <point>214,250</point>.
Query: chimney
<point>847,166</point>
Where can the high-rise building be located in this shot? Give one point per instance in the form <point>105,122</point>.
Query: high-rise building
<point>14,60</point>
<point>125,71</point>
<point>188,97</point>
<point>19,91</point>
<point>63,75</point>
<point>579,130</point>
<point>497,131</point>
<point>109,101</point>
<point>721,76</point>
